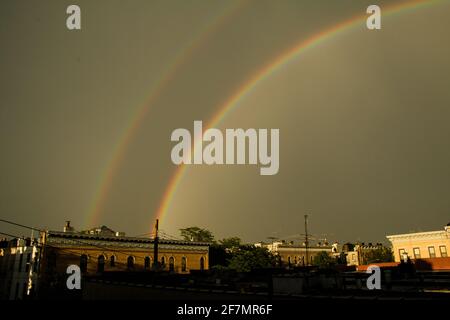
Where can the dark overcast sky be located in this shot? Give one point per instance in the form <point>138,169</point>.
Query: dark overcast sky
<point>363,117</point>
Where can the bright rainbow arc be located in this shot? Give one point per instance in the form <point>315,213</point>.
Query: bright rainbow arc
<point>119,151</point>
<point>269,69</point>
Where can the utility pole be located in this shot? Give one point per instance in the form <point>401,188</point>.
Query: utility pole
<point>306,240</point>
<point>155,246</point>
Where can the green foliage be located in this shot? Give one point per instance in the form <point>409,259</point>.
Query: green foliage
<point>197,234</point>
<point>382,254</point>
<point>230,243</point>
<point>248,258</point>
<point>230,253</point>
<point>324,261</point>
<point>218,255</point>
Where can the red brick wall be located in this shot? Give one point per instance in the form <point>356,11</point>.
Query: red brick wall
<point>382,265</point>
<point>431,264</point>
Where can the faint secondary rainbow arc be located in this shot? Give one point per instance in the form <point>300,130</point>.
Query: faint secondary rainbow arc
<point>267,70</point>
<point>135,121</point>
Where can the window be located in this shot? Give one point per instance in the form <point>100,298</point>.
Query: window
<point>35,264</point>
<point>163,262</point>
<point>20,262</point>
<point>27,266</point>
<point>431,252</point>
<point>83,263</point>
<point>202,263</point>
<point>416,253</point>
<point>16,294</point>
<point>52,261</point>
<point>147,263</point>
<point>183,264</point>
<point>401,252</point>
<point>24,290</point>
<point>353,257</point>
<point>130,262</point>
<point>443,250</point>
<point>101,263</point>
<point>112,261</point>
<point>289,261</point>
<point>171,264</point>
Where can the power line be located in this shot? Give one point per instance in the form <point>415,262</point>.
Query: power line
<point>11,235</point>
<point>19,225</point>
<point>165,237</point>
<point>143,234</point>
<point>79,241</point>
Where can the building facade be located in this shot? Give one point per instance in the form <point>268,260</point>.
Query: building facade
<point>19,263</point>
<point>39,266</point>
<point>359,253</point>
<point>421,245</point>
<point>292,255</point>
<point>96,253</point>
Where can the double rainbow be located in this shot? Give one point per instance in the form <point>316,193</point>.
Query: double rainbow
<point>233,101</point>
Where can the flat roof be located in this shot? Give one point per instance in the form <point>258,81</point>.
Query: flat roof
<point>78,235</point>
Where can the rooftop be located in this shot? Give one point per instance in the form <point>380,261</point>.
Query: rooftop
<point>109,237</point>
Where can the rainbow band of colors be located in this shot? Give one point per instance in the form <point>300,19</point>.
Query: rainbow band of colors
<point>233,101</point>
<point>270,69</point>
<point>129,132</point>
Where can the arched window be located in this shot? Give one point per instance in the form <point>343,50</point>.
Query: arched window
<point>289,261</point>
<point>112,261</point>
<point>130,262</point>
<point>101,263</point>
<point>51,261</point>
<point>171,264</point>
<point>183,264</point>
<point>83,263</point>
<point>163,262</point>
<point>147,263</point>
<point>202,263</point>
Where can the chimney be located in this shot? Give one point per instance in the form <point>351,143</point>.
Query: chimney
<point>67,227</point>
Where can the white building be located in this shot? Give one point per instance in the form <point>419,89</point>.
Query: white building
<point>19,262</point>
<point>420,245</point>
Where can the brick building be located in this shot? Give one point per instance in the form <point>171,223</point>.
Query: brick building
<point>101,249</point>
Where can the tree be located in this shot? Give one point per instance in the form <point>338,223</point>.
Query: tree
<point>248,258</point>
<point>220,253</point>
<point>197,234</point>
<point>218,256</point>
<point>382,254</point>
<point>230,243</point>
<point>323,260</point>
